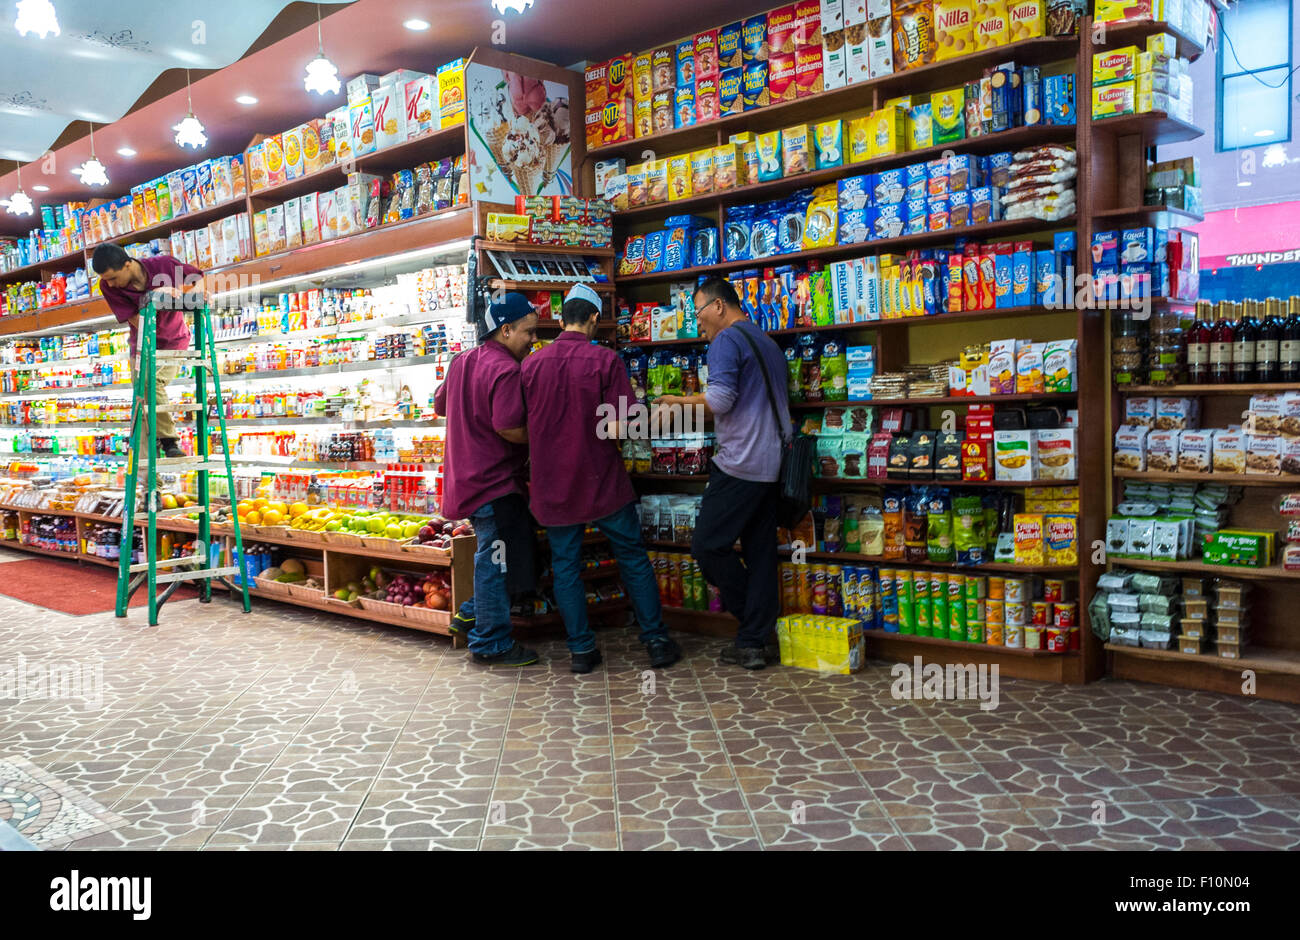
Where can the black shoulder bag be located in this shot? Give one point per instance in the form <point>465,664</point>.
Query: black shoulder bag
<point>794,486</point>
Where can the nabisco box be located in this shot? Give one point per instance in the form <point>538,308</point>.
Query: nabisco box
<point>420,117</point>
<point>390,116</point>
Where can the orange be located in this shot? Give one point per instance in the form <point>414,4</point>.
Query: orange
<point>243,506</point>
<point>254,517</point>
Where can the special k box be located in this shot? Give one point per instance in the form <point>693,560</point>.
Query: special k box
<point>420,117</point>
<point>451,93</point>
<point>361,123</point>
<point>954,28</point>
<point>390,116</point>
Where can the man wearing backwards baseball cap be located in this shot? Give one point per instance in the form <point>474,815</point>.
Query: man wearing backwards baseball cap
<point>578,476</point>
<point>486,452</point>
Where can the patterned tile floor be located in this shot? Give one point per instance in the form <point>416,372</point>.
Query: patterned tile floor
<point>290,729</point>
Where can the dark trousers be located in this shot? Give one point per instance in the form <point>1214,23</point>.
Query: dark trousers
<point>734,509</point>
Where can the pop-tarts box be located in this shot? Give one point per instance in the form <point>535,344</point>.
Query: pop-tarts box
<point>891,187</point>
<point>958,211</point>
<point>937,209</point>
<point>855,192</point>
<point>998,168</point>
<point>1022,275</point>
<point>1042,290</point>
<point>1105,249</point>
<point>889,221</point>
<point>854,226</point>
<point>916,216</point>
<point>654,251</point>
<point>1136,245</point>
<point>915,180</point>
<point>1058,99</point>
<point>1002,279</point>
<point>963,172</point>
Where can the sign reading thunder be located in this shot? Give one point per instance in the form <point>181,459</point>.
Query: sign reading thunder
<point>519,139</point>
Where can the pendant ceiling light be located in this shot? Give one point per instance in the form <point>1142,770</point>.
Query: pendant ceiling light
<point>189,132</point>
<point>36,16</point>
<point>92,172</point>
<point>19,203</point>
<point>517,5</point>
<point>322,76</point>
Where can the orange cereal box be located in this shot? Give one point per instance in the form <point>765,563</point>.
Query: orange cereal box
<point>618,78</point>
<point>702,172</point>
<point>273,153</point>
<point>1028,528</point>
<point>594,76</point>
<point>954,28</point>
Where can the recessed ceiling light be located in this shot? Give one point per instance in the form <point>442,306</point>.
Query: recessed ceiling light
<point>1244,183</point>
<point>125,152</point>
<point>246,99</point>
<point>40,188</point>
<point>416,25</point>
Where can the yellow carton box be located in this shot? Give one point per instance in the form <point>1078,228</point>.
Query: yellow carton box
<point>954,28</point>
<point>1027,19</point>
<point>1114,99</point>
<point>656,181</point>
<point>992,26</point>
<point>451,93</point>
<point>702,172</point>
<point>1114,65</point>
<point>859,139</point>
<point>679,177</point>
<point>888,129</point>
<point>728,169</point>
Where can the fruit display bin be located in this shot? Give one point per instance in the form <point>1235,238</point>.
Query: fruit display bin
<point>382,607</point>
<point>269,586</point>
<point>384,544</point>
<point>341,539</point>
<point>425,615</point>
<point>302,592</point>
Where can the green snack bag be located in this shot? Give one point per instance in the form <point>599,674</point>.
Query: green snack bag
<point>819,286</point>
<point>834,371</point>
<point>852,540</point>
<point>968,529</point>
<point>939,535</point>
<point>794,372</point>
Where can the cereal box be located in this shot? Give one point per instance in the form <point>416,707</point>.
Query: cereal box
<point>948,116</point>
<point>1028,538</point>
<point>1060,539</point>
<point>913,28</point>
<point>1057,450</point>
<point>829,139</point>
<point>418,101</point>
<point>1026,19</point>
<point>451,93</point>
<point>796,156</point>
<point>1014,455</point>
<point>992,24</point>
<point>273,154</point>
<point>808,71</point>
<point>389,115</point>
<point>781,77</point>
<point>293,162</point>
<point>361,121</point>
<point>954,28</point>
<point>702,173</point>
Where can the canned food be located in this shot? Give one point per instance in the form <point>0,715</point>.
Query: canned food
<point>834,591</point>
<point>804,583</point>
<point>976,587</point>
<point>1053,590</point>
<point>1016,590</point>
<point>1014,636</point>
<point>997,586</point>
<point>1066,614</point>
<point>1034,637</point>
<point>993,634</point>
<point>1040,613</point>
<point>789,591</point>
<point>1015,613</point>
<point>975,632</point>
<point>994,611</point>
<point>819,589</point>
<point>975,610</point>
<point>1058,639</point>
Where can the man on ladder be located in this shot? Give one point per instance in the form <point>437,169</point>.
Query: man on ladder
<point>134,290</point>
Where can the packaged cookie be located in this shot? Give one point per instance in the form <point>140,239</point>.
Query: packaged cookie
<point>1195,450</point>
<point>729,46</point>
<point>1229,451</point>
<point>829,139</point>
<point>913,28</point>
<point>954,28</point>
<point>808,74</point>
<point>992,27</point>
<point>782,31</point>
<point>781,77</point>
<point>796,155</point>
<point>706,54</point>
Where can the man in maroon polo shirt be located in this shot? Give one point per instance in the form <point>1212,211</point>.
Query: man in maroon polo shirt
<point>577,476</point>
<point>484,476</point>
<point>127,284</point>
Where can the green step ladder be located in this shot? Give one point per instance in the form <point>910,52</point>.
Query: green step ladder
<point>144,411</point>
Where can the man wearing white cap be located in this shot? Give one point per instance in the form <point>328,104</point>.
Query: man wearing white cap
<point>578,478</point>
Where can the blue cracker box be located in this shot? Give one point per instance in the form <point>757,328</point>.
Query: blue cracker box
<point>731,98</point>
<point>854,226</point>
<point>1003,97</point>
<point>1136,245</point>
<point>685,60</point>
<point>857,355</point>
<point>1065,241</point>
<point>654,251</point>
<point>889,221</point>
<point>999,169</point>
<point>1022,278</point>
<point>963,172</point>
<point>855,192</point>
<point>1002,280</point>
<point>1058,99</point>
<point>1044,278</point>
<point>859,389</point>
<point>1105,249</point>
<point>915,179</point>
<point>1031,90</point>
<point>891,188</point>
<point>704,246</point>
<point>676,248</point>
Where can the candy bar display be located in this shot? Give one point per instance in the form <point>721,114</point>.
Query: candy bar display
<point>1132,80</point>
<point>796,51</point>
<point>1192,614</point>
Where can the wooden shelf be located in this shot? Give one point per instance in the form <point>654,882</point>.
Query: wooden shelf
<point>1244,388</point>
<point>32,272</point>
<point>530,248</point>
<point>545,285</point>
<point>985,143</point>
<point>411,558</point>
<point>1236,479</point>
<point>939,400</point>
<point>690,341</point>
<point>344,610</point>
<point>1060,571</point>
<point>1156,128</point>
<point>718,616</point>
<point>1136,211</point>
<point>989,230</point>
<point>672,477</point>
<point>78,310</point>
<point>887,637</point>
<point>190,220</point>
<point>838,101</point>
<point>1189,566</point>
<point>1136,32</point>
<point>555,617</point>
<point>1260,659</point>
<point>826,482</point>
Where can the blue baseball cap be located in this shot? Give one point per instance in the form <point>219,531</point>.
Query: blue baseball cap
<point>512,307</point>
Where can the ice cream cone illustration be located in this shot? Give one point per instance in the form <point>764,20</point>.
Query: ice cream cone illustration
<point>528,179</point>
<point>495,136</point>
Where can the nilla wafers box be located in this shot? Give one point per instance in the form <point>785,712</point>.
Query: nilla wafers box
<point>954,28</point>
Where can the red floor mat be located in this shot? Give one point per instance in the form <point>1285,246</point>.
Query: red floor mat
<point>71,588</point>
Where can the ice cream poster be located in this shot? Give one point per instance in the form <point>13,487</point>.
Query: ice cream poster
<point>519,138</point>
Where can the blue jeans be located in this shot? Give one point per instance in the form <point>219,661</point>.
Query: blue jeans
<point>623,529</point>
<point>490,605</point>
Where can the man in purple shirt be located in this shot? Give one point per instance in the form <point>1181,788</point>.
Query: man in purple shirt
<point>571,388</point>
<point>127,284</point>
<point>740,501</point>
<point>484,479</point>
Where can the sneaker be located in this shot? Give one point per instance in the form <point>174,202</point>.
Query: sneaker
<point>515,656</point>
<point>584,662</point>
<point>171,448</point>
<point>750,657</point>
<point>663,653</point>
<point>461,624</point>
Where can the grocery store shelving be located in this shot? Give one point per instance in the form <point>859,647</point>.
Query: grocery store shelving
<point>1259,659</point>
<point>85,363</point>
<point>530,247</point>
<point>1136,32</point>
<point>1190,566</point>
<point>1233,388</point>
<point>1156,128</point>
<point>938,400</point>
<point>885,638</point>
<point>358,327</point>
<point>832,482</point>
<point>1235,479</point>
<point>1178,214</point>
<point>343,368</point>
<point>853,558</point>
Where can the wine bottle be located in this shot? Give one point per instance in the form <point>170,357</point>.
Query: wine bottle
<point>1268,366</point>
<point>1221,344</point>
<point>1198,344</point>
<point>1245,335</point>
<point>1289,347</point>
